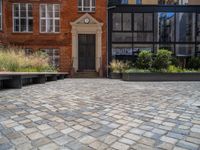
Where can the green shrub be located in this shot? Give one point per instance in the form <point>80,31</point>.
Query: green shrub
<point>175,62</point>
<point>144,60</point>
<point>162,59</point>
<point>194,63</point>
<point>15,60</point>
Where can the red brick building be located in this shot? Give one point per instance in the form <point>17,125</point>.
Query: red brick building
<point>72,32</point>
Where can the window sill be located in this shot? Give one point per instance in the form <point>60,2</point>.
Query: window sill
<point>22,32</point>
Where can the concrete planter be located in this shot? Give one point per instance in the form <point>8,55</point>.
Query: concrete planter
<point>161,76</point>
<point>115,75</point>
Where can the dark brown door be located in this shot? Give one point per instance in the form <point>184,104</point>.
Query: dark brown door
<point>86,52</point>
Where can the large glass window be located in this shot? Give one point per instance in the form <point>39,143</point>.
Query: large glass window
<point>122,37</point>
<point>164,26</point>
<point>86,5</point>
<point>1,8</point>
<point>198,27</point>
<point>22,17</point>
<point>185,49</point>
<point>49,18</point>
<point>54,56</point>
<point>143,22</point>
<point>122,21</point>
<point>185,27</point>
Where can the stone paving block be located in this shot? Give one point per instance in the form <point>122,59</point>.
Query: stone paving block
<point>137,131</point>
<point>35,136</point>
<point>108,139</point>
<point>63,140</point>
<point>24,146</point>
<point>98,145</point>
<point>188,145</point>
<point>40,142</point>
<point>50,146</point>
<point>147,141</point>
<point>132,136</point>
<point>120,146</point>
<point>49,131</point>
<point>168,139</point>
<point>127,141</point>
<point>118,132</point>
<point>87,139</point>
<point>166,146</point>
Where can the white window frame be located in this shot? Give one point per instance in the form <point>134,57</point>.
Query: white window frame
<point>46,18</point>
<point>91,7</point>
<point>1,15</point>
<point>19,18</point>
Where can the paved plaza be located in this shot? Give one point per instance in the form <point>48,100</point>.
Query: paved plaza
<point>86,114</point>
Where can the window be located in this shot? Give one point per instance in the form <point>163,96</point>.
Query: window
<point>185,49</point>
<point>22,17</point>
<point>86,5</point>
<point>138,2</point>
<point>165,28</point>
<point>122,37</point>
<point>122,49</point>
<point>49,18</point>
<point>143,22</point>
<point>1,8</point>
<point>54,56</point>
<point>185,27</point>
<point>122,21</point>
<point>198,27</point>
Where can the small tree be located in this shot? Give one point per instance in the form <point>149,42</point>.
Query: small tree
<point>144,60</point>
<point>162,59</point>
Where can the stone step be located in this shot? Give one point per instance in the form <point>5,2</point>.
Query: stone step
<point>86,75</point>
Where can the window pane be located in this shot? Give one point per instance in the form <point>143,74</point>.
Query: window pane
<point>57,25</point>
<point>185,27</point>
<point>148,22</point>
<point>16,25</point>
<point>57,11</point>
<point>30,9</point>
<point>165,27</point>
<point>43,25</point>
<point>138,22</point>
<point>122,37</point>
<point>198,28</point>
<point>49,11</point>
<point>142,47</point>
<point>86,2</point>
<point>43,10</point>
<point>127,22</point>
<point>50,25</point>
<point>143,37</point>
<point>122,49</point>
<point>79,2</point>
<point>185,49</point>
<point>30,25</point>
<point>16,10</point>
<point>117,20</point>
<point>23,25</point>
<point>22,10</point>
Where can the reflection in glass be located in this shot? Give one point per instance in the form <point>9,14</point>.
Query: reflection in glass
<point>122,37</point>
<point>143,37</point>
<point>142,47</point>
<point>185,49</point>
<point>185,27</point>
<point>164,26</point>
<point>117,19</point>
<point>198,27</point>
<point>127,21</point>
<point>122,49</point>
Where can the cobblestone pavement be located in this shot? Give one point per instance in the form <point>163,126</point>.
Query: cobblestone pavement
<point>84,114</point>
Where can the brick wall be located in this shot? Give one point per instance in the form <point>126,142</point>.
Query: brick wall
<point>62,40</point>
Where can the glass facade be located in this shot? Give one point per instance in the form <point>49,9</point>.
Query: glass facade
<point>136,28</point>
